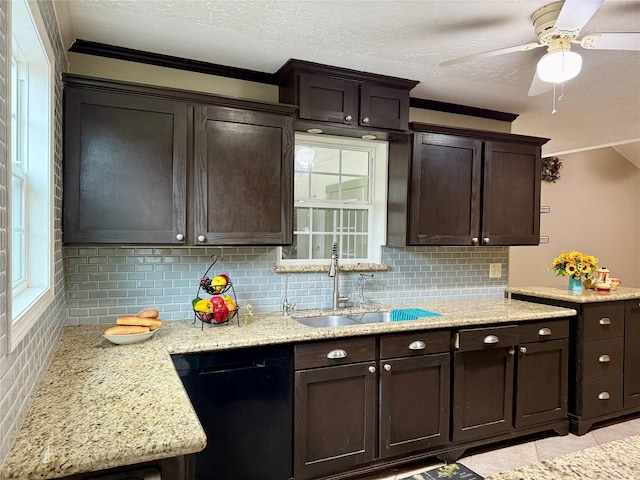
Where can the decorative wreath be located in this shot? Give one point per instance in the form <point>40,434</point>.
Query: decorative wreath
<point>551,167</point>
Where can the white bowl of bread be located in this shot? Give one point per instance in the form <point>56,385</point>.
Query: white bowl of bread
<point>134,328</point>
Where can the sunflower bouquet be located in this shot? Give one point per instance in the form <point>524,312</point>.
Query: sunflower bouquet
<point>574,264</point>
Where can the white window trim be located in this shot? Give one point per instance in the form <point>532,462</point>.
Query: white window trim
<point>27,307</point>
<point>378,220</point>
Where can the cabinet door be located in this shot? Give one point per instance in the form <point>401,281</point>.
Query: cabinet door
<point>444,204</point>
<point>125,168</point>
<point>511,198</point>
<point>328,99</point>
<point>334,419</point>
<point>482,393</point>
<point>242,178</point>
<point>542,382</point>
<point>384,107</point>
<point>632,354</point>
<point>414,404</point>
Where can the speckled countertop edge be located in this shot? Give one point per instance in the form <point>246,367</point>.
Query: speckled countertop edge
<point>617,460</point>
<point>585,296</point>
<point>101,405</point>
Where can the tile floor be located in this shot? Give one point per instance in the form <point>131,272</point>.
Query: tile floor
<point>487,462</point>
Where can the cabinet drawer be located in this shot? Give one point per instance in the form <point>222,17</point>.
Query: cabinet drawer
<point>603,357</point>
<point>335,352</point>
<point>545,330</point>
<point>416,343</point>
<point>603,321</point>
<point>487,338</point>
<point>602,395</point>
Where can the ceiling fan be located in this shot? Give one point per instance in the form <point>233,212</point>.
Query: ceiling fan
<point>557,26</point>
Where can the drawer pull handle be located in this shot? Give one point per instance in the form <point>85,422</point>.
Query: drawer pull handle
<point>417,345</point>
<point>489,339</point>
<point>604,358</point>
<point>337,354</point>
<point>605,321</point>
<point>544,332</point>
<point>604,396</point>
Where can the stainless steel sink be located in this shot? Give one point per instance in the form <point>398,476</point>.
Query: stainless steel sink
<point>345,320</point>
<point>370,317</point>
<point>327,321</point>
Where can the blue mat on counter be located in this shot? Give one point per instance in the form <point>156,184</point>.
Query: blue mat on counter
<point>401,314</point>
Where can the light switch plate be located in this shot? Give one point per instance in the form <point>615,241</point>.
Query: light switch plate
<point>495,270</point>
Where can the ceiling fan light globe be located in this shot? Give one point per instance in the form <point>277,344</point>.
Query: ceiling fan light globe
<point>559,66</point>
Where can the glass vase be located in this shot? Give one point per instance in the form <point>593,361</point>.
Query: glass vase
<point>575,284</point>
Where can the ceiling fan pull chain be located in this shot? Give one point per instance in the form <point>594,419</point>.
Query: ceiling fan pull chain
<point>553,109</point>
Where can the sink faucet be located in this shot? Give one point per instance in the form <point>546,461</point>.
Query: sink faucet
<point>334,271</point>
<point>287,307</point>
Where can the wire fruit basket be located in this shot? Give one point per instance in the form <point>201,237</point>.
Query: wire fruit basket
<point>223,306</point>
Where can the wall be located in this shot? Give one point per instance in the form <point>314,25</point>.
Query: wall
<point>595,208</point>
<point>21,369</point>
<point>105,282</point>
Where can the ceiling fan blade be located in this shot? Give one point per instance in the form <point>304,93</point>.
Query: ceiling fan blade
<point>492,53</point>
<point>575,14</point>
<point>538,87</point>
<point>612,41</point>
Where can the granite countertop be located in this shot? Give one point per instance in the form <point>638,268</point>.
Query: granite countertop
<point>585,296</point>
<point>615,460</point>
<point>102,405</point>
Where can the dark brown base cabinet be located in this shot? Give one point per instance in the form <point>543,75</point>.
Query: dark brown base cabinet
<point>604,371</point>
<point>150,165</point>
<point>450,186</point>
<point>510,377</point>
<point>364,404</point>
<point>363,408</point>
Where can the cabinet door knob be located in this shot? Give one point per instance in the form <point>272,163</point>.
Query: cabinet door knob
<point>387,367</point>
<point>544,332</point>
<point>372,369</point>
<point>604,396</point>
<point>605,321</point>
<point>348,118</point>
<point>201,238</point>
<point>523,349</point>
<point>179,237</point>
<point>365,120</point>
<point>475,240</point>
<point>604,358</point>
<point>336,354</point>
<point>417,345</point>
<point>485,240</point>
<point>511,351</point>
<point>489,339</point>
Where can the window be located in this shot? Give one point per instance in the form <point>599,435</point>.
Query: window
<point>31,153</point>
<point>339,196</point>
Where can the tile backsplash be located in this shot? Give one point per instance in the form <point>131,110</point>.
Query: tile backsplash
<point>105,282</point>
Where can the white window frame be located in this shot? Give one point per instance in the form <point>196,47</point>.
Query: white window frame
<point>32,298</point>
<point>378,191</point>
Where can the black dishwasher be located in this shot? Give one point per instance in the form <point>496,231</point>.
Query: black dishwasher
<point>243,399</point>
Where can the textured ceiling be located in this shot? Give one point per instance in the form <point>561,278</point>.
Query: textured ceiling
<point>406,39</point>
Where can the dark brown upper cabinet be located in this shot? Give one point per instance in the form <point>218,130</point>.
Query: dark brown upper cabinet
<point>149,165</point>
<point>450,186</point>
<point>344,98</point>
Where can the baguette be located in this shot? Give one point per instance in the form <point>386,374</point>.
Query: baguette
<point>151,323</point>
<point>126,330</point>
<point>148,313</point>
